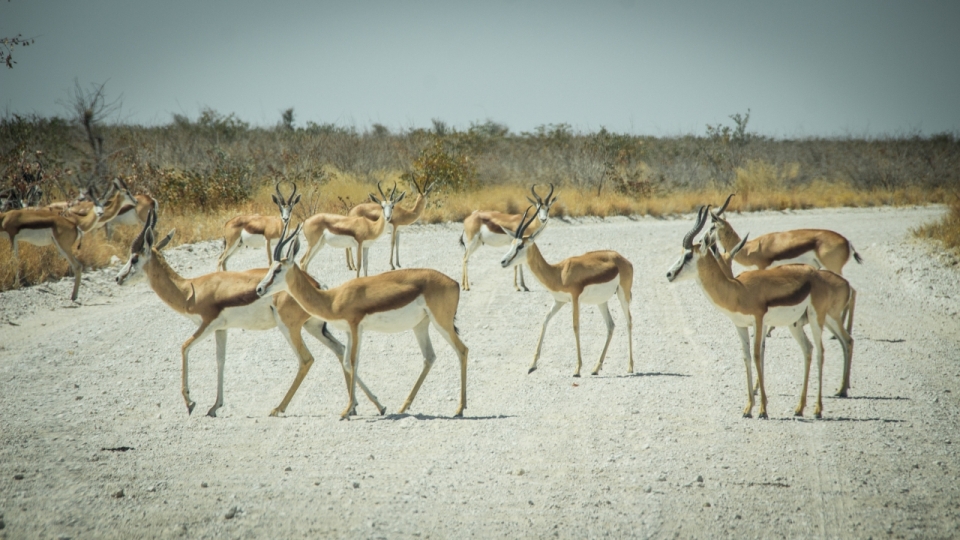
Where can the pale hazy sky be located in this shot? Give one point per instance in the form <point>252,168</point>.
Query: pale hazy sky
<point>809,68</point>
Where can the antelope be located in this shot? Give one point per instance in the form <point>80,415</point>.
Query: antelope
<point>389,302</point>
<point>42,228</point>
<point>134,214</point>
<point>726,265</point>
<point>401,218</point>
<point>256,230</point>
<point>490,228</point>
<point>780,296</point>
<point>591,278</point>
<point>223,300</point>
<point>349,231</point>
<point>79,210</point>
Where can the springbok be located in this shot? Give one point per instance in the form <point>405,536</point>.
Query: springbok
<point>780,296</point>
<point>349,231</point>
<point>401,218</point>
<point>42,227</point>
<point>591,278</point>
<point>223,300</point>
<point>389,302</point>
<point>257,230</point>
<point>490,228</point>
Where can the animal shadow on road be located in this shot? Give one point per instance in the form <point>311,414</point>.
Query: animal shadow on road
<point>633,375</point>
<point>396,416</point>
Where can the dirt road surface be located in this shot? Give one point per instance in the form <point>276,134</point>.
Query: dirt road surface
<point>660,453</point>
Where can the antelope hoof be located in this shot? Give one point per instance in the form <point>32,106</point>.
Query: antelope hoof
<point>212,413</point>
<point>841,393</point>
<point>458,414</point>
<point>531,370</point>
<point>383,410</point>
<point>275,412</point>
<point>798,412</point>
<point>763,416</point>
<point>818,415</point>
<point>577,375</point>
<point>747,414</point>
<point>190,407</point>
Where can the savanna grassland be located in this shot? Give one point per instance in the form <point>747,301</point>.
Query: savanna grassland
<point>203,171</point>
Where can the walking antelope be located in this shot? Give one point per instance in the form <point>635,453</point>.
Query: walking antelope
<point>780,296</point>
<point>491,228</point>
<point>223,300</point>
<point>117,197</point>
<point>256,230</point>
<point>591,278</point>
<point>401,218</point>
<point>42,227</point>
<point>389,302</point>
<point>349,231</point>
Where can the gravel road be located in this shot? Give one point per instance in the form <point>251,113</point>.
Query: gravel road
<point>95,440</point>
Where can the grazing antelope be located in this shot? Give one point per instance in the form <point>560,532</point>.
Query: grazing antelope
<point>256,230</point>
<point>401,218</point>
<point>591,278</point>
<point>42,228</point>
<point>390,302</point>
<point>223,300</point>
<point>349,231</point>
<point>490,228</point>
<point>780,296</point>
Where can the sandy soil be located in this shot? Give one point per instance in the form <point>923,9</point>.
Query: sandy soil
<point>661,453</point>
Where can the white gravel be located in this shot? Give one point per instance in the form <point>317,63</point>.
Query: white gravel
<point>662,453</point>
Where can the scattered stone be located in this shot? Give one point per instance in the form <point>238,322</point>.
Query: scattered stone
<point>203,484</point>
<point>151,489</point>
<point>288,469</point>
<point>232,513</point>
<point>700,478</point>
<point>530,502</point>
<point>18,477</point>
<point>706,505</point>
<point>648,489</point>
<point>662,477</point>
<point>118,495</point>
<point>356,485</point>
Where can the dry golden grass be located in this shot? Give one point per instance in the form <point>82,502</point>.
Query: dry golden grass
<point>947,230</point>
<point>758,187</point>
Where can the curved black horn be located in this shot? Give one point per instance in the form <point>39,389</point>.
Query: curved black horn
<point>535,196</point>
<point>701,220</point>
<point>736,249</point>
<point>294,190</point>
<point>523,226</point>
<point>284,240</point>
<point>394,192</point>
<point>725,203</point>
<point>549,202</point>
<point>380,190</point>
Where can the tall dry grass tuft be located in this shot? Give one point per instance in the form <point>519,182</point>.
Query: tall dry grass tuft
<point>947,230</point>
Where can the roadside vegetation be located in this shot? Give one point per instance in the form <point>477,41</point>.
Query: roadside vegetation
<point>204,170</point>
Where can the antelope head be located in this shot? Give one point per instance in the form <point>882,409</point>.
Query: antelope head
<point>517,252</point>
<point>717,223</point>
<point>686,265</point>
<point>276,279</point>
<point>387,203</point>
<point>141,251</point>
<point>543,205</point>
<point>286,204</point>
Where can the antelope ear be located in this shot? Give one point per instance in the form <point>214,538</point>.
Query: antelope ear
<point>374,198</point>
<point>536,233</point>
<point>148,240</point>
<point>276,200</point>
<point>295,201</point>
<point>511,232</point>
<point>533,202</point>
<point>166,240</point>
<point>400,198</point>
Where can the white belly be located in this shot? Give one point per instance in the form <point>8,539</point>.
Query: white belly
<point>126,217</point>
<point>338,240</point>
<point>256,316</point>
<point>597,293</point>
<point>390,322</point>
<point>493,239</point>
<point>37,237</point>
<point>778,316</point>
<point>809,257</point>
<point>252,240</point>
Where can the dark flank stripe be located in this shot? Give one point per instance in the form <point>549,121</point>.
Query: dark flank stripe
<point>396,300</point>
<point>254,228</point>
<point>605,276</point>
<point>793,298</point>
<point>493,227</point>
<point>797,250</point>
<point>244,298</point>
<point>36,225</point>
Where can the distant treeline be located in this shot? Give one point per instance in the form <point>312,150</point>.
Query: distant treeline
<point>219,159</point>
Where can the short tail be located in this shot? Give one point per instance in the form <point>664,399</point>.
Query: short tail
<point>462,244</point>
<point>856,256</point>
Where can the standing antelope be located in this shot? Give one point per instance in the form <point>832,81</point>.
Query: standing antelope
<point>390,302</point>
<point>349,231</point>
<point>256,230</point>
<point>223,300</point>
<point>491,228</point>
<point>591,278</point>
<point>780,296</point>
<point>42,228</point>
<point>401,218</point>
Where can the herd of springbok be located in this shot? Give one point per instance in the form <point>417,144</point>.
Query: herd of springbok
<point>797,281</point>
